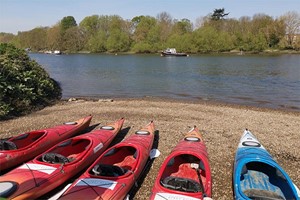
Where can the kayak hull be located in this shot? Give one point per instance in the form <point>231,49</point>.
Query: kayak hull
<point>185,173</point>
<point>130,155</point>
<point>30,144</point>
<point>256,174</point>
<point>45,172</point>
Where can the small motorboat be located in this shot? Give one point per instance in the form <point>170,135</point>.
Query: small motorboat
<point>172,52</point>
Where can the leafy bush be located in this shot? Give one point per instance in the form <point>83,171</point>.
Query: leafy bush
<point>24,84</point>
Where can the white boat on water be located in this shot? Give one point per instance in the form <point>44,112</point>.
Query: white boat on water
<point>55,52</point>
<point>172,52</point>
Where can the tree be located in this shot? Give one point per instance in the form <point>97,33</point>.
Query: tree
<point>90,24</point>
<point>53,38</point>
<point>292,26</point>
<point>142,25</point>
<point>118,41</point>
<point>97,31</point>
<point>75,39</point>
<point>118,37</point>
<point>272,30</point>
<point>6,37</point>
<point>208,39</point>
<point>97,43</point>
<point>183,26</point>
<point>165,22</point>
<point>37,38</point>
<point>219,14</point>
<point>201,21</point>
<point>182,42</point>
<point>146,34</point>
<point>67,22</point>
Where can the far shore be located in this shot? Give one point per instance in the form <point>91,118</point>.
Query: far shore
<point>221,124</point>
<point>232,52</point>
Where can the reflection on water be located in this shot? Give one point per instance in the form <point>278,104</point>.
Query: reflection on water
<point>267,81</point>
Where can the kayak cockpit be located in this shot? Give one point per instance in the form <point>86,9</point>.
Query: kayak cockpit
<point>116,162</point>
<point>185,173</point>
<point>259,180</point>
<point>21,141</point>
<point>66,152</point>
<point>108,170</point>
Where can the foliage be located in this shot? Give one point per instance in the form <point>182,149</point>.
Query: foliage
<point>146,34</point>
<point>219,14</point>
<point>53,38</point>
<point>24,85</point>
<point>292,25</point>
<point>97,43</point>
<point>74,39</point>
<point>183,26</point>
<point>67,22</point>
<point>183,43</point>
<point>6,37</point>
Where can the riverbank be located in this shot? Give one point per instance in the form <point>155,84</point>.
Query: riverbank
<point>222,126</point>
<point>232,52</point>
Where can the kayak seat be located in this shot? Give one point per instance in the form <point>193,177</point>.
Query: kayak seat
<point>54,158</point>
<point>108,170</point>
<point>181,184</point>
<point>257,183</point>
<point>257,194</point>
<point>7,145</point>
<point>262,179</point>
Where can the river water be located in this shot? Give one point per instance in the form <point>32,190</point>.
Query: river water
<point>256,80</point>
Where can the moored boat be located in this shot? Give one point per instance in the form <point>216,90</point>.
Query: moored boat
<point>26,146</point>
<point>115,172</point>
<point>257,175</point>
<point>55,166</point>
<point>185,174</point>
<point>172,52</point>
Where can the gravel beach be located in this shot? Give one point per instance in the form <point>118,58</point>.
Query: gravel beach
<point>222,126</point>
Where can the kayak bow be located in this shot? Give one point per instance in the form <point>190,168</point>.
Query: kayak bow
<point>185,174</point>
<point>54,167</point>
<point>114,173</point>
<point>256,175</point>
<point>26,146</point>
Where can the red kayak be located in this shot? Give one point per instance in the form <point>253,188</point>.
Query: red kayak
<point>185,174</point>
<point>60,163</point>
<point>26,146</point>
<point>114,173</point>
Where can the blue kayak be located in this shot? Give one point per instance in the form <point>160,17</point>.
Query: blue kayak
<point>257,175</point>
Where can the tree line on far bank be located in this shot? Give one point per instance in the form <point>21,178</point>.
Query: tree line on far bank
<point>215,32</point>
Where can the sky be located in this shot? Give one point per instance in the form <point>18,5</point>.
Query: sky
<point>25,15</point>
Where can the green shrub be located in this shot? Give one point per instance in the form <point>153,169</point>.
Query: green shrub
<point>24,84</point>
